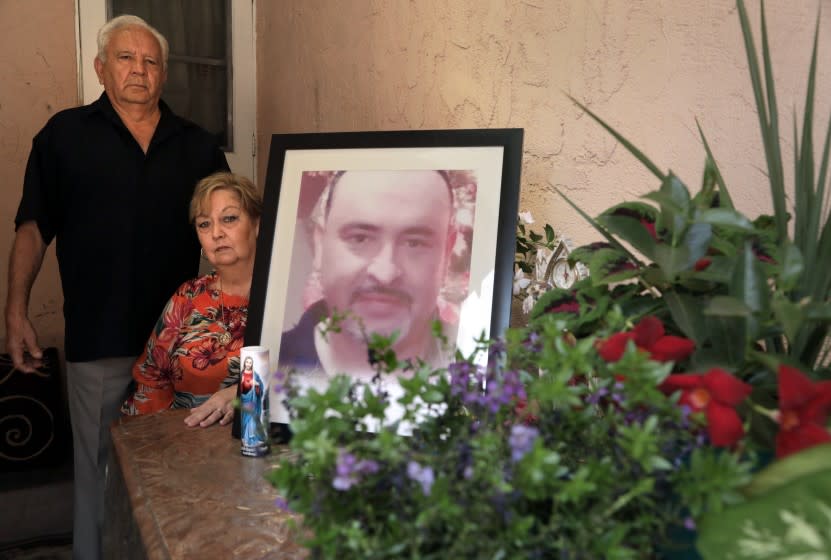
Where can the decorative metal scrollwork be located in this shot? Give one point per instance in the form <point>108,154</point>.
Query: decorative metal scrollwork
<point>27,424</point>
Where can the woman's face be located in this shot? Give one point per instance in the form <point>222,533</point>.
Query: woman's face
<point>227,233</point>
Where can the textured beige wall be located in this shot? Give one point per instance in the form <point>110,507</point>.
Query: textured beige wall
<point>649,67</point>
<point>37,79</point>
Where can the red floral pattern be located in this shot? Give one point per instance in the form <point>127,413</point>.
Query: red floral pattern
<point>184,354</point>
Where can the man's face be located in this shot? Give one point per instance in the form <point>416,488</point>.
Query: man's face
<point>133,72</point>
<point>383,249</point>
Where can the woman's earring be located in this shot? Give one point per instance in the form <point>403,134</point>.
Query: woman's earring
<point>202,253</point>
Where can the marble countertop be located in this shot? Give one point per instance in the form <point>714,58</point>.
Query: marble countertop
<point>179,492</point>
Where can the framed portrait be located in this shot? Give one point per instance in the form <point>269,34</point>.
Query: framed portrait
<point>394,231</point>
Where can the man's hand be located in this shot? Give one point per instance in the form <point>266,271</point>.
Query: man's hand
<point>24,263</point>
<point>22,343</point>
<point>218,408</point>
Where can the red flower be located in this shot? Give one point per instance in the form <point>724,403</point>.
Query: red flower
<point>648,335</point>
<point>702,264</point>
<point>524,412</point>
<point>716,393</point>
<point>803,408</point>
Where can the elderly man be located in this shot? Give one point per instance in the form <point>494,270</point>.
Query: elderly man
<point>381,255</point>
<point>111,181</point>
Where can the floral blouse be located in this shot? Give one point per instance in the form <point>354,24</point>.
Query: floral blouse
<point>188,356</point>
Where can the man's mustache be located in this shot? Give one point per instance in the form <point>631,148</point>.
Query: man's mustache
<point>382,291</point>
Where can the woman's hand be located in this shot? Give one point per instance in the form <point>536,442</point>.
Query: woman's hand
<point>218,408</point>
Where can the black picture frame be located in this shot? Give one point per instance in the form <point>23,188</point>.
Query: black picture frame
<point>475,150</point>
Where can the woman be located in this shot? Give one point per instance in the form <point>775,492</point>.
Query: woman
<point>192,357</point>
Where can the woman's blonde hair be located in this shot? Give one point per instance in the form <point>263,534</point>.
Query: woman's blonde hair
<point>250,198</point>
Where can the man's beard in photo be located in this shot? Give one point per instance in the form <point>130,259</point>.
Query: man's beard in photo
<point>360,329</point>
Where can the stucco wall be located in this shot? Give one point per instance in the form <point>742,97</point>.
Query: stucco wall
<point>650,67</point>
<point>37,78</point>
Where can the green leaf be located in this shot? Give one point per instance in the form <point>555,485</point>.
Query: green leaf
<point>433,396</point>
<point>727,218</point>
<point>597,226</point>
<point>818,311</point>
<point>549,233</point>
<point>792,266</point>
<point>686,311</point>
<point>610,265</point>
<point>790,521</point>
<point>790,468</point>
<point>724,195</point>
<point>750,286</point>
<point>666,201</point>
<point>789,315</point>
<point>680,197</point>
<point>766,110</point>
<point>632,231</point>
<point>693,246</point>
<point>726,306</point>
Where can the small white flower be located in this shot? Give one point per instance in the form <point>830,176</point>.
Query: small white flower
<point>526,217</point>
<point>528,304</point>
<point>520,281</point>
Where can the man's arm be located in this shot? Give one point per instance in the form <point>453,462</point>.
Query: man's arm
<point>24,264</point>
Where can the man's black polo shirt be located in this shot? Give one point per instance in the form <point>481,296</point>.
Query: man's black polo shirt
<point>120,219</point>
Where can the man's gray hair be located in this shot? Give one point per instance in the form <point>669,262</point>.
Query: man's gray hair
<point>121,22</point>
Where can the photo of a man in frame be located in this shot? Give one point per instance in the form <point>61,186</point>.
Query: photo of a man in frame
<point>389,252</point>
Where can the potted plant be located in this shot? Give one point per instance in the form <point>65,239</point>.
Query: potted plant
<point>676,399</point>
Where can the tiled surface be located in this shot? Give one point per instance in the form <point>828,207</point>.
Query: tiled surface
<point>42,551</point>
<point>36,514</point>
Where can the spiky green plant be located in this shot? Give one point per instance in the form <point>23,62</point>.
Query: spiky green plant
<point>752,294</point>
<point>728,307</point>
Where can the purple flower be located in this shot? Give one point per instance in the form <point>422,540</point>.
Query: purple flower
<point>348,468</point>
<point>533,342</point>
<point>282,504</point>
<point>279,381</point>
<point>496,349</point>
<point>345,472</point>
<point>595,397</point>
<point>422,475</point>
<point>689,523</point>
<point>461,374</point>
<point>685,416</point>
<point>521,440</point>
<point>635,417</point>
<point>501,392</point>
<point>617,393</point>
<point>366,466</point>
